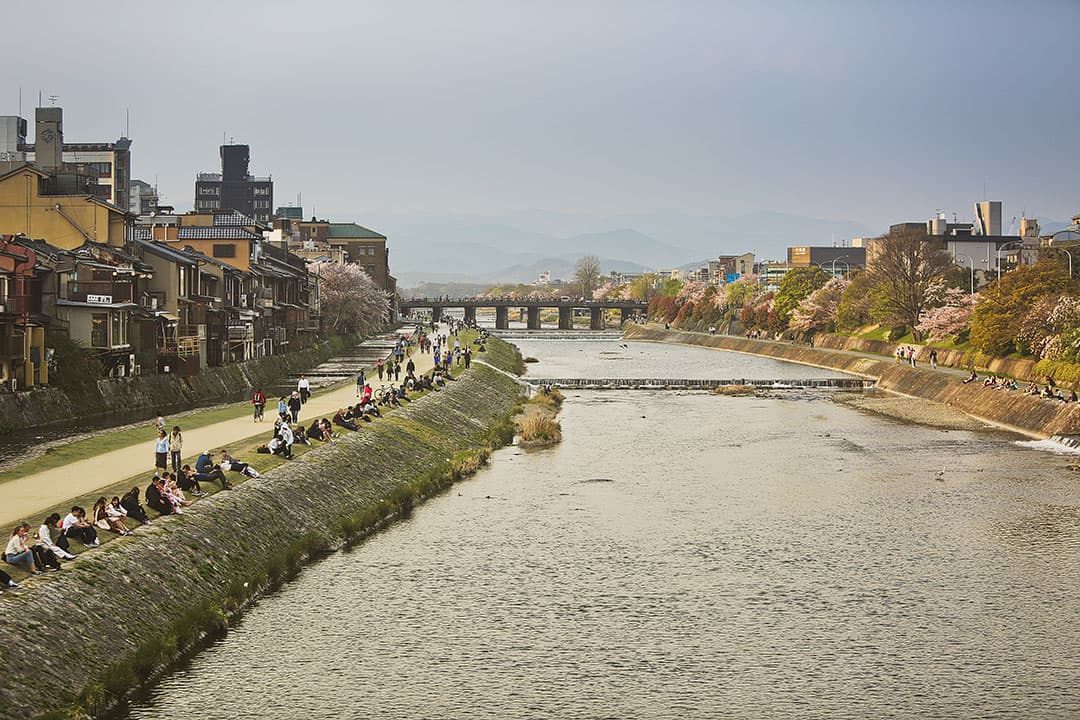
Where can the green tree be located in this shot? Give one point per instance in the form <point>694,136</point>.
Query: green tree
<point>796,287</point>
<point>856,304</point>
<point>1003,304</point>
<point>903,264</point>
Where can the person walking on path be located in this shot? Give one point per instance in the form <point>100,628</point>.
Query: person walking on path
<point>933,358</point>
<point>304,388</point>
<point>258,400</point>
<point>176,446</point>
<point>283,408</point>
<point>161,451</point>
<point>360,382</point>
<point>410,368</point>
<point>294,406</point>
<point>379,369</point>
<point>397,370</point>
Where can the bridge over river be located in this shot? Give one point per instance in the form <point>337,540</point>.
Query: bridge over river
<point>531,308</point>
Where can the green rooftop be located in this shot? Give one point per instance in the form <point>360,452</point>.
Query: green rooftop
<point>353,231</point>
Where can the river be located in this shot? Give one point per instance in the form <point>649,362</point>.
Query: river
<point>686,555</point>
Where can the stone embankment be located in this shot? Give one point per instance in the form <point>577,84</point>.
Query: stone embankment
<point>145,394</point>
<point>1029,415</point>
<point>81,637</point>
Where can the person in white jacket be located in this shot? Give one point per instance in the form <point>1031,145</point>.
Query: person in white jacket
<point>48,531</point>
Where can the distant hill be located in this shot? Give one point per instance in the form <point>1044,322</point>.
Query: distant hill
<point>516,247</point>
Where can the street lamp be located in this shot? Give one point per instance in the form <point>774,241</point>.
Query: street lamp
<point>997,253</point>
<point>833,264</point>
<point>1068,253</point>
<point>971,264</point>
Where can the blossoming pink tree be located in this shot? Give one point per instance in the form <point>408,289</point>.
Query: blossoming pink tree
<point>349,299</point>
<point>952,316</point>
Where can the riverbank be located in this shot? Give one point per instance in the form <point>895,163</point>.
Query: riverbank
<point>113,619</point>
<point>1035,417</point>
<point>142,396</point>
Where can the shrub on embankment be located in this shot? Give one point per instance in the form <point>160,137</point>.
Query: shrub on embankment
<point>1031,415</point>
<point>143,395</point>
<point>146,599</point>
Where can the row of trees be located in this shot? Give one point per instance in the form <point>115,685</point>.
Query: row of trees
<point>913,287</point>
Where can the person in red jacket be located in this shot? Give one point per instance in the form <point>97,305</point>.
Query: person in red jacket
<point>258,399</point>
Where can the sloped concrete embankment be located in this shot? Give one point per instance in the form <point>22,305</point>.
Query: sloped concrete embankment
<point>144,394</point>
<point>964,359</point>
<point>1023,413</point>
<point>141,600</point>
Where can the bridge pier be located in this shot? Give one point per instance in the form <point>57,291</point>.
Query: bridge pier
<point>596,318</point>
<point>502,318</point>
<point>566,318</point>
<point>436,313</point>
<point>534,317</point>
<point>470,315</point>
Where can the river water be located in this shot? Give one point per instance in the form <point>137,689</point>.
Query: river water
<point>685,555</point>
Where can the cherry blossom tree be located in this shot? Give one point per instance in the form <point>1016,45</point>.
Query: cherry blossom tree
<point>817,311</point>
<point>952,317</point>
<point>349,299</point>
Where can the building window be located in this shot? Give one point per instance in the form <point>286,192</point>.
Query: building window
<point>119,329</point>
<point>224,251</point>
<point>213,191</point>
<point>99,330</point>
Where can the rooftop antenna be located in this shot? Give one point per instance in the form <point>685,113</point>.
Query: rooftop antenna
<point>127,123</point>
<point>53,99</point>
<point>20,101</point>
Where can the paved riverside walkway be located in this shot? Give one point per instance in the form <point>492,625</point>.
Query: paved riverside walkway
<point>28,498</point>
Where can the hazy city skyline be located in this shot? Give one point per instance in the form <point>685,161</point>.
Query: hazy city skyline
<point>847,111</point>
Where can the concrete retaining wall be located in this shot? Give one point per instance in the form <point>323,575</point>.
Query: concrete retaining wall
<point>142,395</point>
<point>1033,416</point>
<point>57,637</point>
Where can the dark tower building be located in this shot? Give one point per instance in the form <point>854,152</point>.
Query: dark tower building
<point>234,188</point>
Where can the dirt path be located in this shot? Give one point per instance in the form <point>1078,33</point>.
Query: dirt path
<point>28,497</point>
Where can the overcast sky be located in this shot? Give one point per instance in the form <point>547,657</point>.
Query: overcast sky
<point>870,111</point>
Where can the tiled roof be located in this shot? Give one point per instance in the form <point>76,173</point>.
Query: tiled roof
<point>228,232</point>
<point>353,231</point>
<point>173,254</point>
<point>232,217</point>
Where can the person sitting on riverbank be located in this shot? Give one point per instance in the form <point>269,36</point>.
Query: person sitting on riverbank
<point>300,436</point>
<point>18,554</point>
<point>156,497</point>
<point>990,382</point>
<point>189,481</point>
<point>103,520</point>
<point>135,510</point>
<point>1032,389</point>
<point>75,526</point>
<point>277,446</point>
<point>327,429</point>
<point>44,557</point>
<point>189,478</point>
<point>6,583</point>
<point>174,494</point>
<point>971,378</point>
<point>314,431</point>
<point>229,463</point>
<point>50,536</point>
<point>342,421</point>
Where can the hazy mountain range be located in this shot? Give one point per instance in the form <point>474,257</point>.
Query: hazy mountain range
<point>518,246</point>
